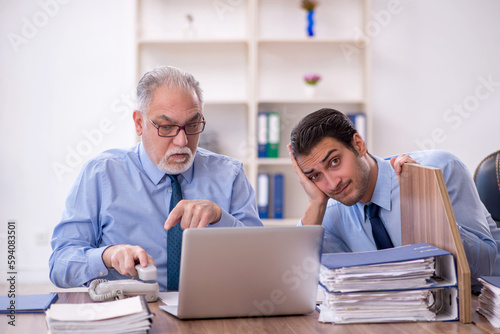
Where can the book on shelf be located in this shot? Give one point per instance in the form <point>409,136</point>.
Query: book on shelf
<point>262,134</point>
<point>268,134</point>
<point>277,199</point>
<point>129,315</point>
<point>359,121</point>
<point>489,299</point>
<point>409,283</point>
<point>263,195</point>
<point>26,303</point>
<point>274,134</point>
<point>270,195</point>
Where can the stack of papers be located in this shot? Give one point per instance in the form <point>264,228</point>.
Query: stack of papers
<point>409,283</point>
<point>391,306</point>
<point>489,300</point>
<point>401,275</point>
<point>130,315</point>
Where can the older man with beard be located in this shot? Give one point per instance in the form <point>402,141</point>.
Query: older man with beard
<point>119,212</point>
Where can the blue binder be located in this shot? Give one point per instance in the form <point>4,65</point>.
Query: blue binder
<point>263,195</point>
<point>262,134</point>
<point>27,303</point>
<point>278,185</point>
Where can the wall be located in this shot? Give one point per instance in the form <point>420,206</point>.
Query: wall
<point>66,93</point>
<point>67,81</point>
<point>436,77</point>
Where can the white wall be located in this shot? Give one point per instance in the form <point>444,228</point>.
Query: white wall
<point>430,62</point>
<point>67,88</point>
<point>66,93</point>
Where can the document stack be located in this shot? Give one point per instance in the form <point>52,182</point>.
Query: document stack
<point>409,283</point>
<point>130,315</point>
<point>489,299</point>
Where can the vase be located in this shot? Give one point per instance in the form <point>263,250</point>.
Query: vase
<point>310,23</point>
<point>310,91</point>
<point>190,31</point>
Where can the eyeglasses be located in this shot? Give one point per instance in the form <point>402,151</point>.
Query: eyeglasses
<point>172,130</point>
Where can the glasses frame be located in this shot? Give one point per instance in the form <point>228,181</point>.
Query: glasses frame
<point>179,128</point>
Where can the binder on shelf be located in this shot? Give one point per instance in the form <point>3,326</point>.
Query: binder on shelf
<point>359,121</point>
<point>415,282</point>
<point>274,134</point>
<point>263,195</point>
<point>278,187</point>
<point>262,131</point>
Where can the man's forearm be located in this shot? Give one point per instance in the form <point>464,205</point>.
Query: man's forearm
<point>315,212</point>
<point>74,266</point>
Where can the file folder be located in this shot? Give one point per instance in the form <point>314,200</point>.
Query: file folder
<point>263,195</point>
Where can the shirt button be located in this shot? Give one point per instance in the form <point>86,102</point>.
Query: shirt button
<point>101,273</point>
<point>170,190</point>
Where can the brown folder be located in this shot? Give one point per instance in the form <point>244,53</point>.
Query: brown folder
<point>427,216</point>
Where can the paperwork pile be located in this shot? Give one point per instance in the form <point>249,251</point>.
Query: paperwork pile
<point>489,299</point>
<point>410,283</point>
<point>130,315</point>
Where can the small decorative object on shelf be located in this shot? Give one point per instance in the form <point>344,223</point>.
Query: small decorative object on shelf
<point>190,29</point>
<point>311,81</point>
<point>309,6</point>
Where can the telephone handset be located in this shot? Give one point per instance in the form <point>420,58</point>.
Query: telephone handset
<point>101,289</point>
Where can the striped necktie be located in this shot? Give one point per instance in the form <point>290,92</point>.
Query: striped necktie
<point>174,240</point>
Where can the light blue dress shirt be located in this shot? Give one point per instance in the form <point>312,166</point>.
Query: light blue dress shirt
<point>121,197</point>
<point>348,230</point>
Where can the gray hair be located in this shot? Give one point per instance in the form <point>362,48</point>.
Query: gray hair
<point>169,77</point>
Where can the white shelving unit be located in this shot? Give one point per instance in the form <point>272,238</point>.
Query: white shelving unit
<point>251,56</point>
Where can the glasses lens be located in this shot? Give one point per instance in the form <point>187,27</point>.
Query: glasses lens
<point>193,128</point>
<point>167,130</point>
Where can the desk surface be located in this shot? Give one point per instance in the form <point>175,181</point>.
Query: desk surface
<point>166,323</point>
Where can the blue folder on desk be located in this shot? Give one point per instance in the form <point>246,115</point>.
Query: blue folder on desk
<point>27,303</point>
<point>415,282</point>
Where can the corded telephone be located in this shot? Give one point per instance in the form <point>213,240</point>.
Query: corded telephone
<point>101,289</point>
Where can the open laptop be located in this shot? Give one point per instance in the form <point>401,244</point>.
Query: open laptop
<point>248,272</point>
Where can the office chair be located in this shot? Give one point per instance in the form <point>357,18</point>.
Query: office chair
<point>487,179</point>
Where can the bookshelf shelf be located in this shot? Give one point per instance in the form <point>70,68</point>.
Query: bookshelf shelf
<point>309,101</point>
<point>281,222</point>
<point>173,42</point>
<point>274,161</point>
<point>226,102</point>
<point>251,56</point>
<point>297,41</point>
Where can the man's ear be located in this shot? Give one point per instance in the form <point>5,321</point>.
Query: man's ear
<point>138,121</point>
<point>359,144</point>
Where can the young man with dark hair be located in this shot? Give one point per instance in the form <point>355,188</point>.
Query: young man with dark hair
<point>344,181</point>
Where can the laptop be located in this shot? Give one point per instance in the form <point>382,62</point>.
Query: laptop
<point>248,272</point>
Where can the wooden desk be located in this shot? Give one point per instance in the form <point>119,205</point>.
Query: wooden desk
<point>165,323</point>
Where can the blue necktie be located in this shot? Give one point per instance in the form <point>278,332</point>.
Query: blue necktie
<point>382,239</point>
<point>174,240</point>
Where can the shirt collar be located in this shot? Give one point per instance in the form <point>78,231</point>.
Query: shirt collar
<point>154,173</point>
<point>383,188</point>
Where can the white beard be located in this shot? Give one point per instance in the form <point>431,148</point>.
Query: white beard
<point>179,168</point>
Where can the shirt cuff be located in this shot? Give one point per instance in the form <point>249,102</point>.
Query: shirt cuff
<point>96,264</point>
<point>227,220</point>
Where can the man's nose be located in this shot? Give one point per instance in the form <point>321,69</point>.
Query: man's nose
<point>180,138</point>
